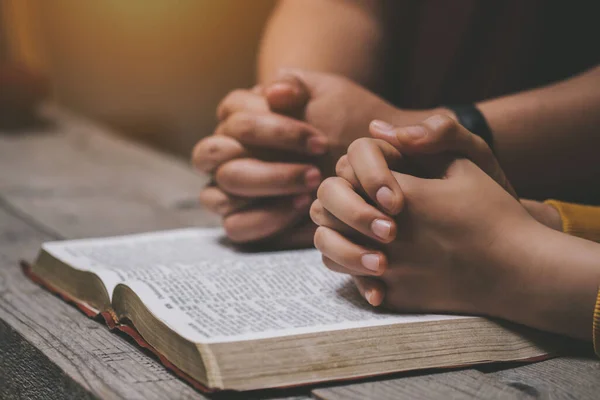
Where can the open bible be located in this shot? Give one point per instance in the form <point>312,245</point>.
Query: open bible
<point>224,319</point>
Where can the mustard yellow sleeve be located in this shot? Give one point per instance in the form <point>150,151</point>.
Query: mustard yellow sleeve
<point>597,325</point>
<point>579,220</point>
<point>584,222</point>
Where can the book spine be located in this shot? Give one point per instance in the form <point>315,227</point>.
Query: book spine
<point>112,321</point>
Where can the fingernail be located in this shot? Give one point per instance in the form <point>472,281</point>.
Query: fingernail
<point>414,132</point>
<point>385,197</point>
<point>369,296</point>
<point>301,201</point>
<point>381,228</point>
<point>370,261</point>
<point>283,86</point>
<point>312,178</point>
<point>317,145</point>
<point>382,126</point>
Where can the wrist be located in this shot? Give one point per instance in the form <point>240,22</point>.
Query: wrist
<point>555,282</point>
<point>471,117</point>
<point>515,264</point>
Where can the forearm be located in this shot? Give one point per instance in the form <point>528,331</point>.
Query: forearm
<point>548,138</point>
<point>343,37</point>
<point>560,291</point>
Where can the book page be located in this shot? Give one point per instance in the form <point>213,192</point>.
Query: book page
<point>208,292</point>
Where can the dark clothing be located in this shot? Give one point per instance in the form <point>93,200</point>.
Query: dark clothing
<point>457,51</point>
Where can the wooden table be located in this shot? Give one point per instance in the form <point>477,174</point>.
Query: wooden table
<point>75,179</point>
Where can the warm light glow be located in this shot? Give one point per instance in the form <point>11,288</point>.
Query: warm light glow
<point>143,8</point>
<point>158,66</point>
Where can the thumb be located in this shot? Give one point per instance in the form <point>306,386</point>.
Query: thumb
<point>413,187</point>
<point>439,135</point>
<point>288,93</point>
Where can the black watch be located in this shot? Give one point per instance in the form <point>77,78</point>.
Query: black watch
<point>471,118</point>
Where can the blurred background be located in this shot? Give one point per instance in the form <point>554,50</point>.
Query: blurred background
<point>153,69</point>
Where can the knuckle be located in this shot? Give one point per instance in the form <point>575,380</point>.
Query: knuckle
<point>327,186</point>
<point>358,145</point>
<point>299,133</point>
<point>198,147</point>
<point>215,200</point>
<point>257,89</point>
<point>237,93</point>
<point>243,126</point>
<point>280,130</point>
<point>374,181</point>
<point>231,96</point>
<point>441,125</point>
<point>285,131</point>
<point>342,166</point>
<point>345,171</point>
<point>363,216</point>
<point>206,153</point>
<point>222,108</point>
<point>205,198</point>
<point>286,177</point>
<point>290,132</point>
<point>221,111</point>
<point>227,174</point>
<point>222,204</point>
<point>198,154</point>
<point>208,191</point>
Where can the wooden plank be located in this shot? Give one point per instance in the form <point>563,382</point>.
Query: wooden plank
<point>465,384</point>
<point>21,363</point>
<point>105,364</point>
<point>81,181</point>
<point>575,377</point>
<point>76,180</point>
<point>73,181</point>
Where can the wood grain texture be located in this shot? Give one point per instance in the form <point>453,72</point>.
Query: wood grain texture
<point>76,180</point>
<point>464,384</point>
<point>79,180</point>
<point>103,363</point>
<point>20,363</point>
<point>575,377</point>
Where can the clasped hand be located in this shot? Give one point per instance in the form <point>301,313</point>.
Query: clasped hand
<point>413,214</point>
<point>275,144</point>
<point>424,239</point>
